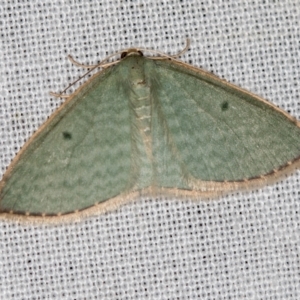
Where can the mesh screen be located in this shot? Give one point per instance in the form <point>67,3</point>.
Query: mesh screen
<point>242,246</point>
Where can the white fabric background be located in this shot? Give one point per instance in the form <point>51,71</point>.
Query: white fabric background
<point>242,246</point>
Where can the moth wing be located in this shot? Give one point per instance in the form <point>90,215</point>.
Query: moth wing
<point>80,156</point>
<point>215,131</point>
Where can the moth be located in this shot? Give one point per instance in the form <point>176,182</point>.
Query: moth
<point>148,126</point>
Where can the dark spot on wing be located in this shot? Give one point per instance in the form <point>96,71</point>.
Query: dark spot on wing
<point>224,106</point>
<point>67,135</point>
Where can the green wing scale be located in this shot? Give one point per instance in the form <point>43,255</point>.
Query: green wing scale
<point>81,156</point>
<point>220,132</point>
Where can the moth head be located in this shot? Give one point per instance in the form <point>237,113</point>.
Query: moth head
<point>131,51</point>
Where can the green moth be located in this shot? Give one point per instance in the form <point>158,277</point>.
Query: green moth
<point>148,126</point>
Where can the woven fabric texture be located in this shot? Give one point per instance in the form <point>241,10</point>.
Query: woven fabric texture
<point>244,245</point>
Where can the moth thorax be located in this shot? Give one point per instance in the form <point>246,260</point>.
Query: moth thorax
<point>141,105</point>
<point>140,98</point>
